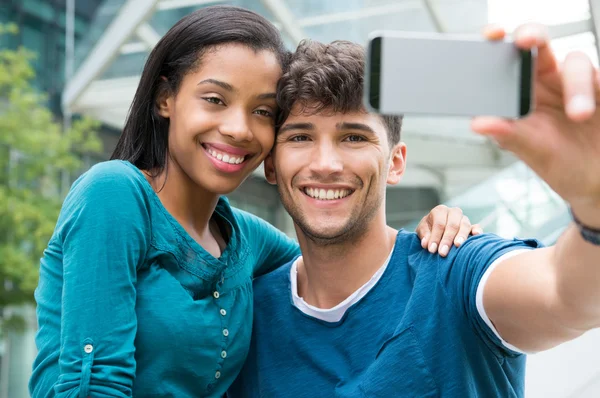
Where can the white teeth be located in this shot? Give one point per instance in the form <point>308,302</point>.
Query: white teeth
<point>329,194</point>
<point>224,157</point>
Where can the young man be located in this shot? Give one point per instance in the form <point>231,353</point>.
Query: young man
<point>365,312</point>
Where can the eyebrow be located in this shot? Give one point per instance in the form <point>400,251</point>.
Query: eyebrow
<point>229,87</point>
<point>355,126</point>
<point>219,83</point>
<point>267,96</point>
<point>296,126</point>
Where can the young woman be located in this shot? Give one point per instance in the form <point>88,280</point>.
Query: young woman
<point>146,285</point>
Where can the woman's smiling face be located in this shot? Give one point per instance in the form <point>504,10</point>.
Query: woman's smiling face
<point>221,120</point>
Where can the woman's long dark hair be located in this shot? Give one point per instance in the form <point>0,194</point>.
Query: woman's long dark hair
<point>144,141</point>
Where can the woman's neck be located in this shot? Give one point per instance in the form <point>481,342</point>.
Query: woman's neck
<point>191,205</point>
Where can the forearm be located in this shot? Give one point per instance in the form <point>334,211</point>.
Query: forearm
<point>103,235</point>
<point>577,268</point>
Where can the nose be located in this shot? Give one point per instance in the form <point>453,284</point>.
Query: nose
<point>235,125</point>
<point>325,159</point>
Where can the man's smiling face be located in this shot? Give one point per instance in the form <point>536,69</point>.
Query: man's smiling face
<point>331,170</point>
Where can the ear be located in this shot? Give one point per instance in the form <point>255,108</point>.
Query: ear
<point>164,99</point>
<point>397,164</point>
<point>269,167</point>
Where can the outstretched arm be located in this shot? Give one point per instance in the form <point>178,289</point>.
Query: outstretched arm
<point>541,298</point>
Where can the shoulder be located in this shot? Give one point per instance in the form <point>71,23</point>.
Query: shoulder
<point>109,182</point>
<point>277,281</point>
<point>249,222</point>
<point>108,200</point>
<point>465,265</point>
<point>490,246</point>
<point>108,191</point>
<point>409,240</point>
<point>272,296</point>
<point>482,248</point>
<point>409,245</point>
<point>479,252</point>
<point>241,216</point>
<point>112,172</point>
<point>257,230</point>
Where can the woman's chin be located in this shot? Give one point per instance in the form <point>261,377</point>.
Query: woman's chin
<point>222,185</point>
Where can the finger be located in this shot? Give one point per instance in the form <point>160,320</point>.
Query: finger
<point>579,86</point>
<point>494,32</point>
<point>503,132</point>
<point>530,36</point>
<point>463,232</point>
<point>489,125</point>
<point>476,229</point>
<point>423,231</point>
<point>508,135</point>
<point>425,240</point>
<point>452,227</point>
<point>439,217</point>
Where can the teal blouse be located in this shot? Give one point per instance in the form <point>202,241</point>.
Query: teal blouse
<point>128,304</point>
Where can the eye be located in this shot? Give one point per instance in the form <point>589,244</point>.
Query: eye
<point>214,100</point>
<point>299,138</point>
<point>263,112</point>
<point>355,138</point>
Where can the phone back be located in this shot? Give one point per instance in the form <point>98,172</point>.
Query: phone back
<point>447,75</point>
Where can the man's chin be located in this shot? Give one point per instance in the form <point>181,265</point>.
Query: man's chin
<point>318,225</point>
<point>326,233</point>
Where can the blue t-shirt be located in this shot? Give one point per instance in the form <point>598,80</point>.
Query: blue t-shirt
<point>130,305</point>
<point>416,333</point>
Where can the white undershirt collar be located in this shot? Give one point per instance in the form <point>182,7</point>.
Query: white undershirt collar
<point>336,313</point>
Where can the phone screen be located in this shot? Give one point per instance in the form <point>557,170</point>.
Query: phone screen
<point>434,74</point>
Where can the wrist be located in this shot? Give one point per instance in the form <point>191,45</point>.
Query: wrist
<point>588,232</point>
<point>586,215</point>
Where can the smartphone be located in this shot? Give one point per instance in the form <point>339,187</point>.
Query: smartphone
<point>450,75</point>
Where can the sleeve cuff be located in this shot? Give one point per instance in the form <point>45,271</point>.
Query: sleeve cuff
<point>479,299</point>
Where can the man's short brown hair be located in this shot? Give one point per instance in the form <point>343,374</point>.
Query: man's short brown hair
<point>328,76</point>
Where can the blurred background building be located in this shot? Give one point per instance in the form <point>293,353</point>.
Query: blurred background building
<point>91,53</point>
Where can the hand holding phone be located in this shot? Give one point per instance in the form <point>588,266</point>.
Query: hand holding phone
<point>439,74</point>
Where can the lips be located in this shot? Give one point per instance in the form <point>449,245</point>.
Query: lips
<point>225,158</point>
<point>226,153</point>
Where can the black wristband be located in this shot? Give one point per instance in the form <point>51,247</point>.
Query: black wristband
<point>590,235</point>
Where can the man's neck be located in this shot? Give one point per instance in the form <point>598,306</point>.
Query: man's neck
<point>328,274</point>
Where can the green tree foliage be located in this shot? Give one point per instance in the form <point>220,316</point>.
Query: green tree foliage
<point>35,152</point>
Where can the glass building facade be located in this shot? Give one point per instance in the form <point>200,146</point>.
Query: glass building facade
<point>42,26</point>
